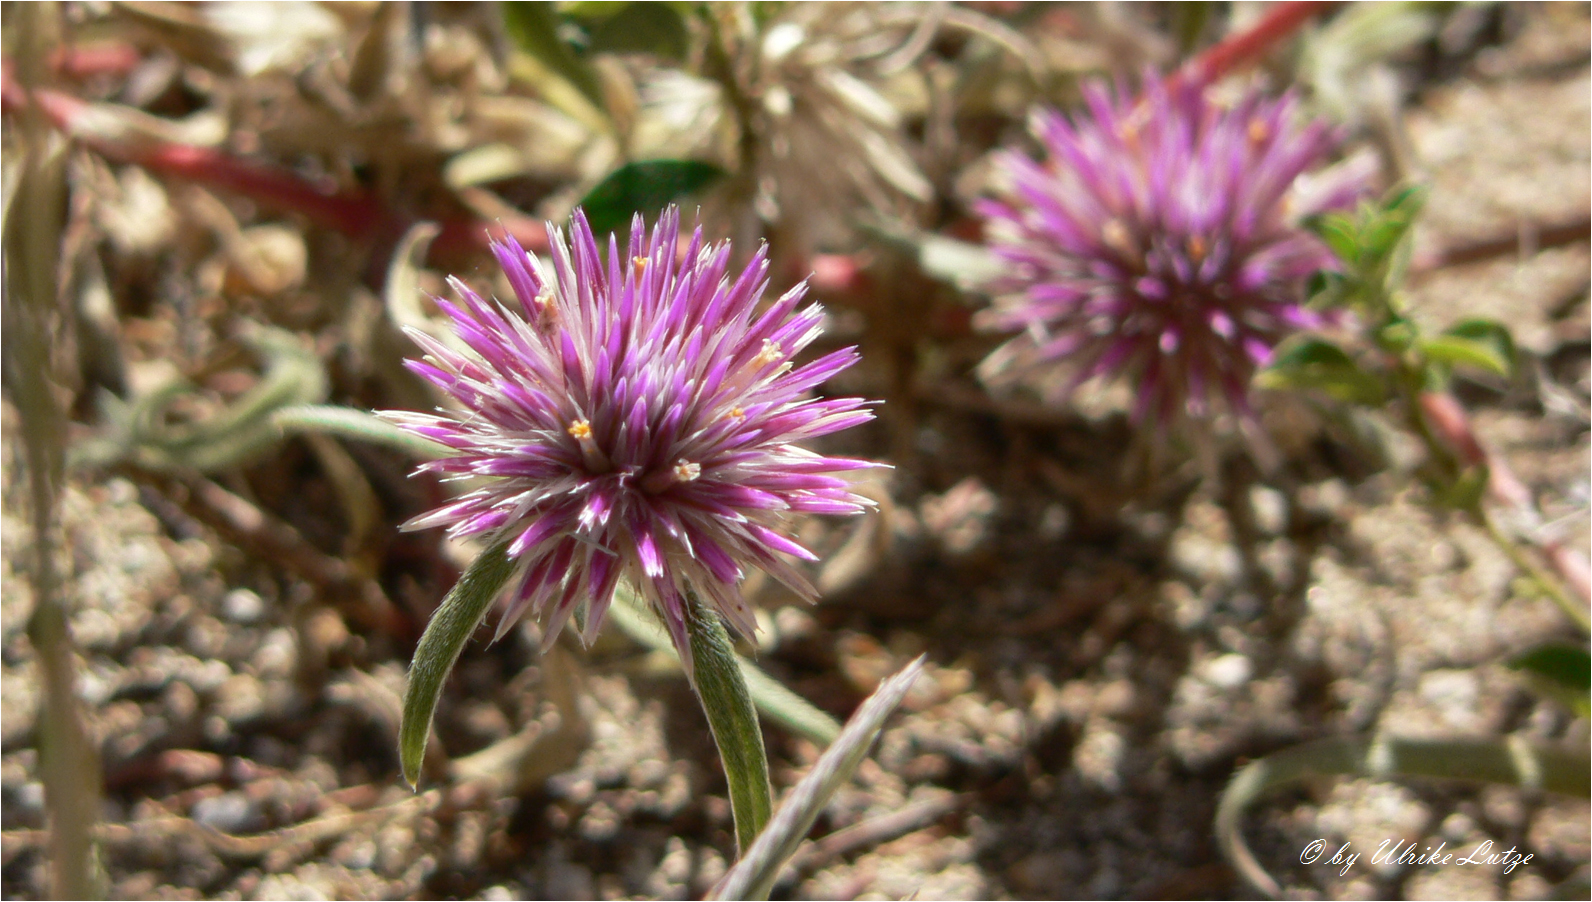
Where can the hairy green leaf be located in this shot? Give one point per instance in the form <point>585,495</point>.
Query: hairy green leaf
<point>754,875</point>
<point>455,621</point>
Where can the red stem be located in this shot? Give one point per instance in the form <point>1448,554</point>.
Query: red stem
<point>358,214</point>
<point>1448,419</point>
<point>105,58</point>
<point>1239,50</point>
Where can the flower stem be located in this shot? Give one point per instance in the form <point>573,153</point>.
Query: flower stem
<point>354,424</point>
<point>1236,51</point>
<point>68,759</point>
<point>733,719</point>
<point>1538,575</point>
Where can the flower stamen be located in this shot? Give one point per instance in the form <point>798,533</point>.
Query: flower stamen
<point>546,310</point>
<point>682,471</point>
<point>1115,235</point>
<point>771,352</point>
<point>596,460</point>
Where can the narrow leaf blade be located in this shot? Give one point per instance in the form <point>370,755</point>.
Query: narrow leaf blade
<point>754,875</point>
<point>460,613</point>
<point>1453,350</point>
<point>1490,333</point>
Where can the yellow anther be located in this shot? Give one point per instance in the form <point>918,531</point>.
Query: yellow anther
<point>640,263</point>
<point>1116,236</point>
<point>546,312</point>
<point>737,413</point>
<point>1196,248</point>
<point>770,353</point>
<point>1132,125</point>
<point>1258,131</point>
<point>596,461</point>
<point>686,471</point>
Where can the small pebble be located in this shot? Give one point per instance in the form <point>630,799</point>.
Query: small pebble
<point>1229,671</point>
<point>1205,560</point>
<point>231,812</point>
<point>242,606</point>
<point>30,797</point>
<point>1270,508</point>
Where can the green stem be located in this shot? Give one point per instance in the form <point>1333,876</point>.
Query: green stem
<point>1545,581</point>
<point>776,702</point>
<point>355,424</point>
<point>1440,454</point>
<point>68,759</point>
<point>1511,761</point>
<point>728,706</point>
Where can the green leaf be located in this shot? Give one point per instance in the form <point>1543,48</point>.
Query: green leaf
<point>1464,493</point>
<point>1324,288</point>
<point>1453,350</point>
<point>1382,235</point>
<point>1320,364</point>
<point>1567,665</point>
<point>1511,761</point>
<point>1397,335</point>
<point>645,187</point>
<point>1491,333</point>
<point>1561,671</point>
<point>1341,234</point>
<point>456,619</point>
<point>655,28</point>
<point>1384,251</point>
<point>1406,202</point>
<point>534,28</point>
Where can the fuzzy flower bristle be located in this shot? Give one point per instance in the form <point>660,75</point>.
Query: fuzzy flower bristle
<point>635,418</point>
<point>1158,239</point>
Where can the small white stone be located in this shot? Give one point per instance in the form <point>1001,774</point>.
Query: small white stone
<point>242,606</point>
<point>1229,671</point>
<point>1270,508</point>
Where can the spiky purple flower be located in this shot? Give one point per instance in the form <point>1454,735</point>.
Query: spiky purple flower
<point>635,419</point>
<point>1158,239</point>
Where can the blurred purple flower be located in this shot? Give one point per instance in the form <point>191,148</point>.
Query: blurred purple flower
<point>635,419</point>
<point>1158,239</point>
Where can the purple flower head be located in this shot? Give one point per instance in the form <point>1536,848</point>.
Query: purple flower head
<point>634,419</point>
<point>1158,239</point>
